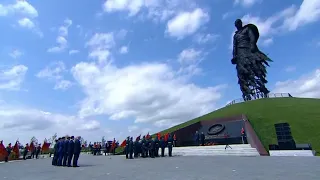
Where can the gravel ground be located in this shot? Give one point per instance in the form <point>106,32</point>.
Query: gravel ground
<point>174,168</point>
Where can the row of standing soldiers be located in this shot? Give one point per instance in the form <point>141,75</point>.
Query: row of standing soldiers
<point>147,147</point>
<point>66,149</point>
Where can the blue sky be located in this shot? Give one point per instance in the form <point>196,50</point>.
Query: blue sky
<point>118,67</point>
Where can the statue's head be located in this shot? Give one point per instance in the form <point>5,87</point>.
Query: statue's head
<point>238,24</point>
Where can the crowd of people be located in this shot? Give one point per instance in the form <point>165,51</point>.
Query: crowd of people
<point>66,149</point>
<point>32,150</point>
<point>148,147</point>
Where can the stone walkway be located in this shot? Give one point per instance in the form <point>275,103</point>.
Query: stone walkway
<point>175,168</point>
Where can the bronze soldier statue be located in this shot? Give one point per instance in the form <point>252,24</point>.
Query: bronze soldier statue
<point>250,62</point>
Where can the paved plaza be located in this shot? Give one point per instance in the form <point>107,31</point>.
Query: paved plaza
<point>175,168</point>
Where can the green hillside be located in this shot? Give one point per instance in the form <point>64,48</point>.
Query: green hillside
<point>302,114</point>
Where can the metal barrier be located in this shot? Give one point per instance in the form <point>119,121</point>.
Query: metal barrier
<point>270,95</point>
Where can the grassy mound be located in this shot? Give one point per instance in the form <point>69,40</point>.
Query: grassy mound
<point>302,114</point>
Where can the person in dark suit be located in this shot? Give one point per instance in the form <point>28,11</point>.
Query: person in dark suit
<point>202,138</point>
<point>131,148</point>
<point>65,151</point>
<point>70,150</point>
<point>38,150</point>
<point>8,149</point>
<point>162,146</point>
<point>55,153</point>
<point>151,148</point>
<point>170,143</point>
<point>76,152</point>
<point>25,152</point>
<point>60,151</point>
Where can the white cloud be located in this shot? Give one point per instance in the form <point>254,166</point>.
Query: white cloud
<point>186,23</point>
<point>308,12</point>
<point>267,42</point>
<point>27,23</point>
<point>132,6</point>
<point>25,11</point>
<point>12,78</point>
<point>63,30</point>
<point>189,56</point>
<point>290,69</point>
<point>122,34</point>
<point>25,122</point>
<point>73,51</point>
<point>246,3</point>
<point>92,125</point>
<point>146,92</point>
<point>15,54</point>
<point>62,45</point>
<point>288,19</point>
<point>62,42</point>
<point>99,46</point>
<point>20,7</point>
<point>189,60</point>
<point>63,84</point>
<point>156,10</point>
<point>132,128</point>
<point>124,50</point>
<point>307,85</point>
<point>55,72</point>
<point>267,26</point>
<point>205,38</point>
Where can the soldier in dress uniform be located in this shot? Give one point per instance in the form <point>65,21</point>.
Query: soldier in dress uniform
<point>131,148</point>
<point>60,151</point>
<point>25,151</point>
<point>157,145</point>
<point>8,149</point>
<point>127,147</point>
<point>170,143</point>
<point>136,148</point>
<point>76,151</point>
<point>38,150</point>
<point>55,153</point>
<point>70,150</point>
<point>143,148</point>
<point>162,146</point>
<point>65,151</point>
<point>151,148</point>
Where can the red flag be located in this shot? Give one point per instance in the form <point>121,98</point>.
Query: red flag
<point>113,144</point>
<point>16,149</point>
<point>159,136</point>
<point>31,147</point>
<point>138,138</point>
<point>166,137</point>
<point>123,144</point>
<point>3,151</point>
<point>148,136</point>
<point>45,146</point>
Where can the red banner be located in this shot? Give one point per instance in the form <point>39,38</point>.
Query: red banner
<point>45,146</point>
<point>3,151</point>
<point>31,147</point>
<point>16,150</point>
<point>123,144</point>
